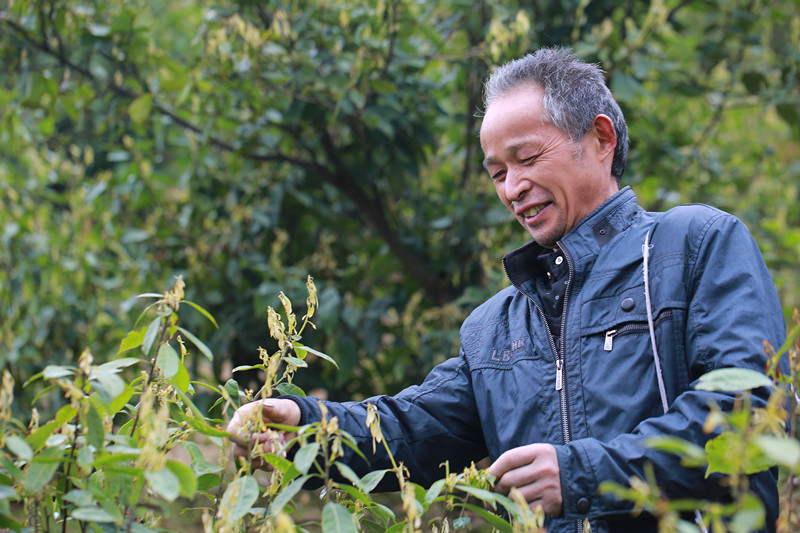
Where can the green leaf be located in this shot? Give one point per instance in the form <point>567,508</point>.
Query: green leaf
<point>371,480</point>
<point>783,450</point>
<point>93,513</point>
<point>168,360</point>
<point>188,482</point>
<point>56,371</point>
<point>197,342</point>
<point>749,516</point>
<point>80,497</point>
<point>199,463</point>
<point>181,378</point>
<point>208,481</point>
<point>19,447</point>
<point>37,439</point>
<point>299,363</point>
<point>732,379</point>
<point>139,109</point>
<point>239,497</point>
<point>731,453</point>
<point>434,491</point>
<point>492,519</point>
<point>121,400</point>
<point>9,523</point>
<point>107,383</point>
<point>348,473</point>
<point>317,353</point>
<point>41,469</point>
<point>118,364</point>
<point>164,483</point>
<point>150,335</point>
<point>132,340</point>
<point>462,522</point>
<point>337,519</point>
<point>93,424</point>
<point>483,495</point>
<point>202,312</point>
<point>286,495</point>
<point>690,453</point>
<point>384,86</point>
<point>305,456</point>
<point>289,389</point>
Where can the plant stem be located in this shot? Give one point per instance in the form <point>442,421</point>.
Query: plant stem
<point>150,375</point>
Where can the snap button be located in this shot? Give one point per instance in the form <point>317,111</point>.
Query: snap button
<point>627,304</point>
<point>583,506</point>
<point>559,260</point>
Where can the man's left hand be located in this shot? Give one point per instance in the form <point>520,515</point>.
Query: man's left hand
<point>533,470</point>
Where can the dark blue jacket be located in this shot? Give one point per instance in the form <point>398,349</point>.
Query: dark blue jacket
<point>713,305</point>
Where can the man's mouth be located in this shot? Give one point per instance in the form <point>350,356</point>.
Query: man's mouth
<point>533,211</point>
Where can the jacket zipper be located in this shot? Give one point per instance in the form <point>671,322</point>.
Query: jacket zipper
<point>561,382</point>
<point>560,357</point>
<point>566,430</point>
<point>633,327</point>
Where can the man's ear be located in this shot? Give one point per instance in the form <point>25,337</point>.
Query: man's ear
<point>605,135</point>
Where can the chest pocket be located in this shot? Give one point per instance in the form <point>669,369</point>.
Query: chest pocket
<point>618,371</point>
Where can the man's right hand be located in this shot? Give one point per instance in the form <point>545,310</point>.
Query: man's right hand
<point>271,411</point>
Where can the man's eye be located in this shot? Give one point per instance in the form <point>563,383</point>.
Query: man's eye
<point>528,160</point>
<point>498,175</point>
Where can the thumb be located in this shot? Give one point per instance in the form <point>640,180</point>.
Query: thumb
<point>280,412</point>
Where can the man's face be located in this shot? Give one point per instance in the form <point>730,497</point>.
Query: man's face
<point>548,182</point>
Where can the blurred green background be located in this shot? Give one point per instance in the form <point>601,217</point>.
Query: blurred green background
<point>247,144</point>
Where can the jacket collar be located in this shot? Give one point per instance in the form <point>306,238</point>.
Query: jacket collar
<point>588,236</point>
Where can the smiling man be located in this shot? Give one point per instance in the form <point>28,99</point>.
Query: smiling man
<point>612,316</point>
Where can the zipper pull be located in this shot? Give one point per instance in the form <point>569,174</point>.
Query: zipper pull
<point>559,374</point>
<point>609,343</point>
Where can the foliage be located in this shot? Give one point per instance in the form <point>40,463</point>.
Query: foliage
<point>243,144</point>
<point>106,460</point>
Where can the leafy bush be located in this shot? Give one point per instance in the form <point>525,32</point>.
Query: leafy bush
<point>107,457</point>
<point>105,460</point>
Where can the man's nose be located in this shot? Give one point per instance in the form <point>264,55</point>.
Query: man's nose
<point>517,185</point>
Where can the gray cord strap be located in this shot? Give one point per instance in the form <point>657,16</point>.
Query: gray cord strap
<point>646,267</point>
<point>698,518</point>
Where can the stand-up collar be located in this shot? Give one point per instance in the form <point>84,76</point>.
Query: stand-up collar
<point>596,230</point>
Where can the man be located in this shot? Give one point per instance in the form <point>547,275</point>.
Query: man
<point>556,380</point>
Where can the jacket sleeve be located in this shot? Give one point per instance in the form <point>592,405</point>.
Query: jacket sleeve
<point>732,309</point>
<point>424,426</point>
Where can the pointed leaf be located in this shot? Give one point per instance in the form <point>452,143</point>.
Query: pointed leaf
<point>286,495</point>
<point>337,519</point>
<point>168,360</point>
<point>140,108</point>
<point>305,456</point>
<point>19,447</point>
<point>317,353</point>
<point>732,379</point>
<point>203,312</point>
<point>197,342</point>
<point>164,483</point>
<point>239,497</point>
<point>186,478</point>
<point>132,340</point>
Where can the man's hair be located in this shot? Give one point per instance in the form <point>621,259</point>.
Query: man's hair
<point>574,94</point>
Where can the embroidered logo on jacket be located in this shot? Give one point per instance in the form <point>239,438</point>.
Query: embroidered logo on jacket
<point>505,355</point>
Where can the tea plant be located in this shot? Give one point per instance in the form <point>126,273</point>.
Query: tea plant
<point>107,460</point>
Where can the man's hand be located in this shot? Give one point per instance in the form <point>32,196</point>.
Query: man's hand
<point>271,411</point>
<point>533,470</point>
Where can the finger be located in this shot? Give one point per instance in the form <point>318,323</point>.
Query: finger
<point>513,458</point>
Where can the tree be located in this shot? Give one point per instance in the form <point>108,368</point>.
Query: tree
<point>246,144</point>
